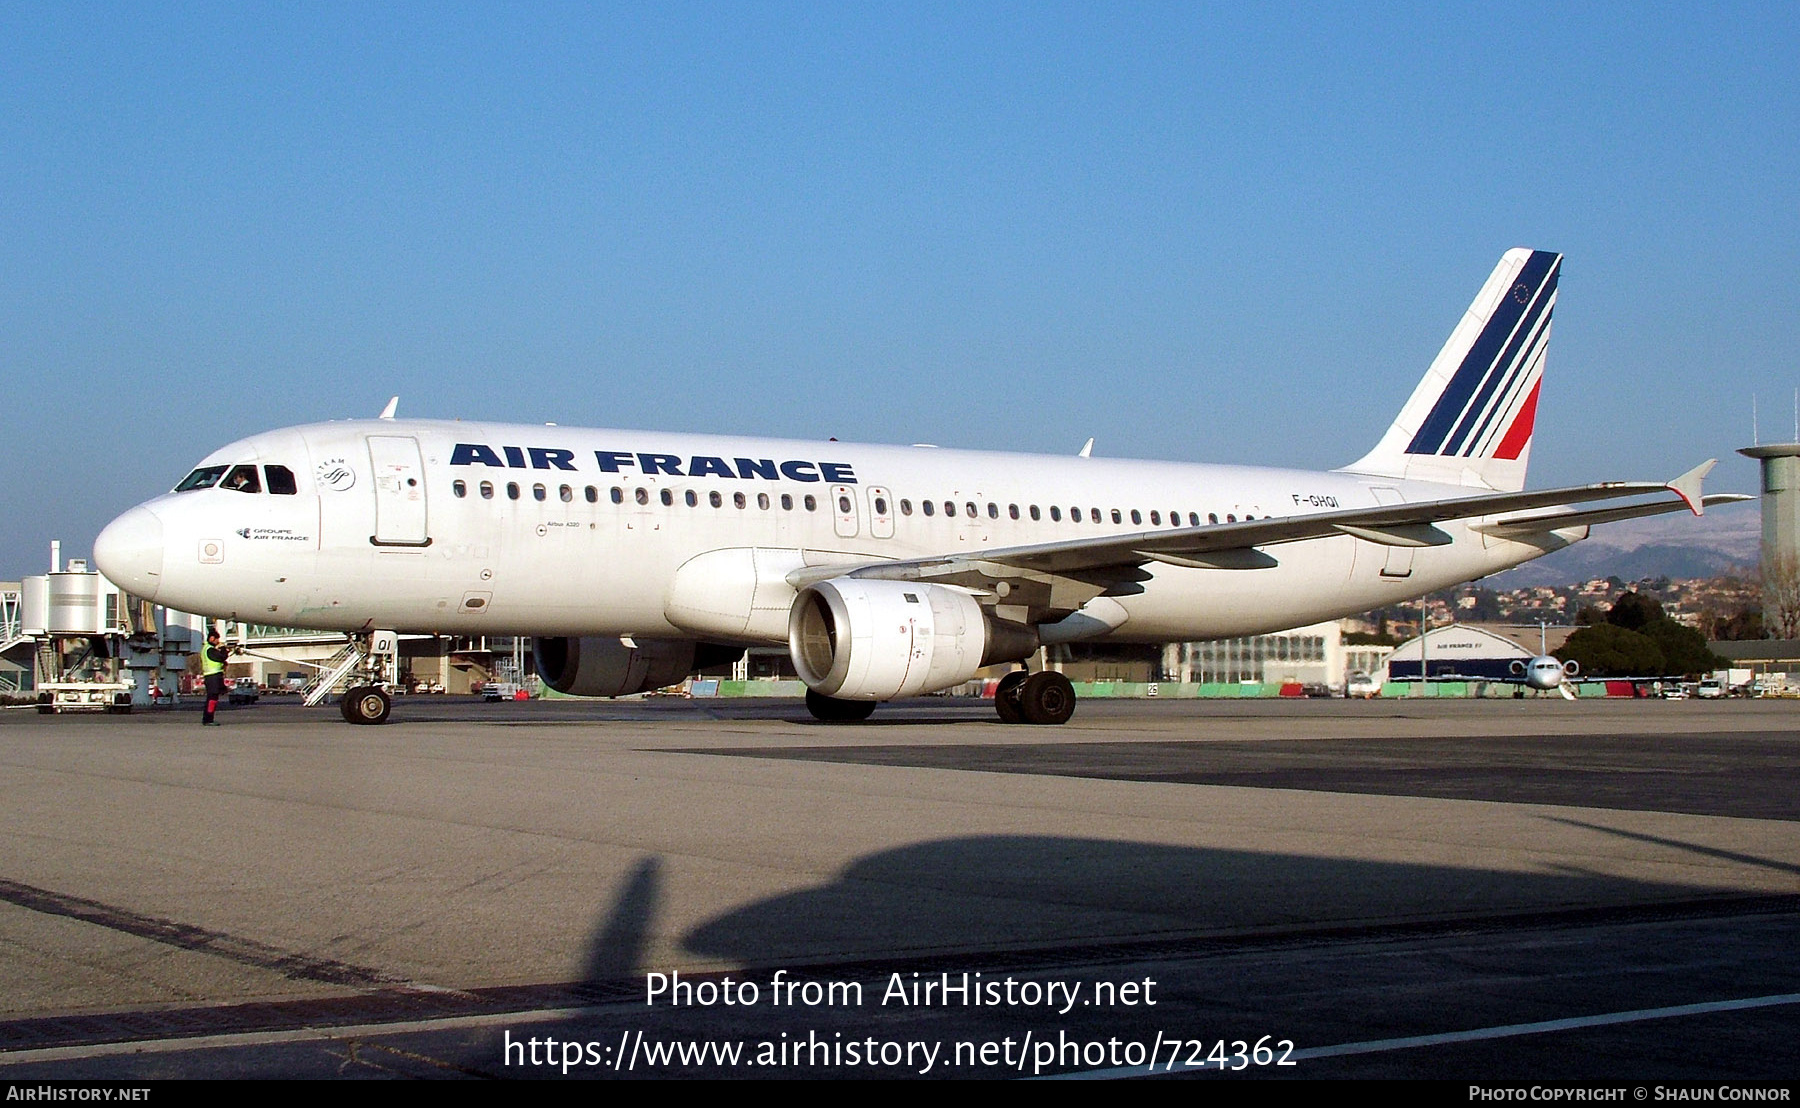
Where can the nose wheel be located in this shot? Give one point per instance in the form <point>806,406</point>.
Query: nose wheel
<point>366,704</point>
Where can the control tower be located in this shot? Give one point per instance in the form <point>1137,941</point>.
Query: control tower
<point>1780,528</point>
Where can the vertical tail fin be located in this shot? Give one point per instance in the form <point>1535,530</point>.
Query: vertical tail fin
<point>1470,419</point>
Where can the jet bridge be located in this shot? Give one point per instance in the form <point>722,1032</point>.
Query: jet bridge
<point>89,645</point>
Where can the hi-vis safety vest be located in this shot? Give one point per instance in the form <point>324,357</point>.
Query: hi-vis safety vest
<point>208,666</point>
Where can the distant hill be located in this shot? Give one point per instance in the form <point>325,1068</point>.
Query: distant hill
<point>1725,540</point>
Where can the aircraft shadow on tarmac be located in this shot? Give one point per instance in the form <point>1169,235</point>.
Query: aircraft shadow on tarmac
<point>1018,901</point>
<point>1000,892</point>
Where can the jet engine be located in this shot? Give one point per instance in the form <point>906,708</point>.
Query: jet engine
<point>605,666</point>
<point>859,639</point>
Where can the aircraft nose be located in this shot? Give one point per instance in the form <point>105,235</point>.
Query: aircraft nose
<point>130,552</point>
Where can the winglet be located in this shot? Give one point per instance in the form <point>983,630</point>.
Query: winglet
<point>393,405</point>
<point>1687,486</point>
<point>1088,450</point>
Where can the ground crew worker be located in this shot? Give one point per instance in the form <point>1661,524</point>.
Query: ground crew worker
<point>212,667</point>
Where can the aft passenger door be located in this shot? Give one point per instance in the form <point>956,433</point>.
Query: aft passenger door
<point>399,491</point>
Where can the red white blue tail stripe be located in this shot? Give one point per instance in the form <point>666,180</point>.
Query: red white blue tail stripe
<point>1489,405</point>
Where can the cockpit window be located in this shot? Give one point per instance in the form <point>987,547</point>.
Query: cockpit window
<point>203,478</point>
<point>281,480</point>
<point>242,479</point>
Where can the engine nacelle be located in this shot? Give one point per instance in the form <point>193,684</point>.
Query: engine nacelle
<point>857,639</point>
<point>605,666</point>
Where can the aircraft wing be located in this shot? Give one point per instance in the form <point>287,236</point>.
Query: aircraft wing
<point>1538,523</point>
<point>1112,564</point>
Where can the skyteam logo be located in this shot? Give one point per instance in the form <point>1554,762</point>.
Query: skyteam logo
<point>1489,406</point>
<point>335,475</point>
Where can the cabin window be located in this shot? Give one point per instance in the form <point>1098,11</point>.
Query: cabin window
<point>1055,514</point>
<point>949,507</point>
<point>643,496</point>
<point>668,498</point>
<point>1012,510</point>
<point>618,495</point>
<point>281,481</point>
<point>1155,518</point>
<point>242,479</point>
<point>810,502</point>
<point>787,502</point>
<point>1135,517</point>
<point>1034,513</point>
<point>881,506</point>
<point>970,505</point>
<point>762,501</point>
<point>539,492</point>
<point>487,490</point>
<point>737,500</point>
<point>994,511</point>
<point>512,490</point>
<point>459,488</point>
<point>715,499</point>
<point>930,507</point>
<point>1117,518</point>
<point>567,494</point>
<point>693,499</point>
<point>203,478</point>
<point>906,507</point>
<point>844,505</point>
<point>592,494</point>
<point>1230,517</point>
<point>1094,513</point>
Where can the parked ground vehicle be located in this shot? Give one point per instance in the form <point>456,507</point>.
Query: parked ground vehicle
<point>1364,685</point>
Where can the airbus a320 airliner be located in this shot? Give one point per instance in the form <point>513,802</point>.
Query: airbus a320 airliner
<point>635,557</point>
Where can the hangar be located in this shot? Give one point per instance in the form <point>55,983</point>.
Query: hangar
<point>1471,651</point>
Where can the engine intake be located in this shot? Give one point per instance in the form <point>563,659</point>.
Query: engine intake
<point>857,639</point>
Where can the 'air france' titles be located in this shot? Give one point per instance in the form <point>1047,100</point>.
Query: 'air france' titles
<point>673,465</point>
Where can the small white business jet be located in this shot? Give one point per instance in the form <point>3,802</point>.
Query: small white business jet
<point>635,557</point>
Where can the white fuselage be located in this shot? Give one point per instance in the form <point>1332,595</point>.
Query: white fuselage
<point>378,536</point>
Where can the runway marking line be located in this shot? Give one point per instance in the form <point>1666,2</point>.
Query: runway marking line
<point>1378,1046</point>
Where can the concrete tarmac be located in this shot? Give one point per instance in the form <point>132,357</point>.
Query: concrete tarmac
<point>287,895</point>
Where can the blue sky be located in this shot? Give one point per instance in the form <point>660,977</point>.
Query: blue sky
<point>1191,231</point>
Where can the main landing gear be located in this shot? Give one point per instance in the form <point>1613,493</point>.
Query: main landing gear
<point>829,709</point>
<point>1020,697</point>
<point>1042,697</point>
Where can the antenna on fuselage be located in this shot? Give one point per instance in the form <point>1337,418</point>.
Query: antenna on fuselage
<point>1087,451</point>
<point>393,404</point>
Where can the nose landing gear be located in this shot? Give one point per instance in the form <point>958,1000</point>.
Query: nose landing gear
<point>366,704</point>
